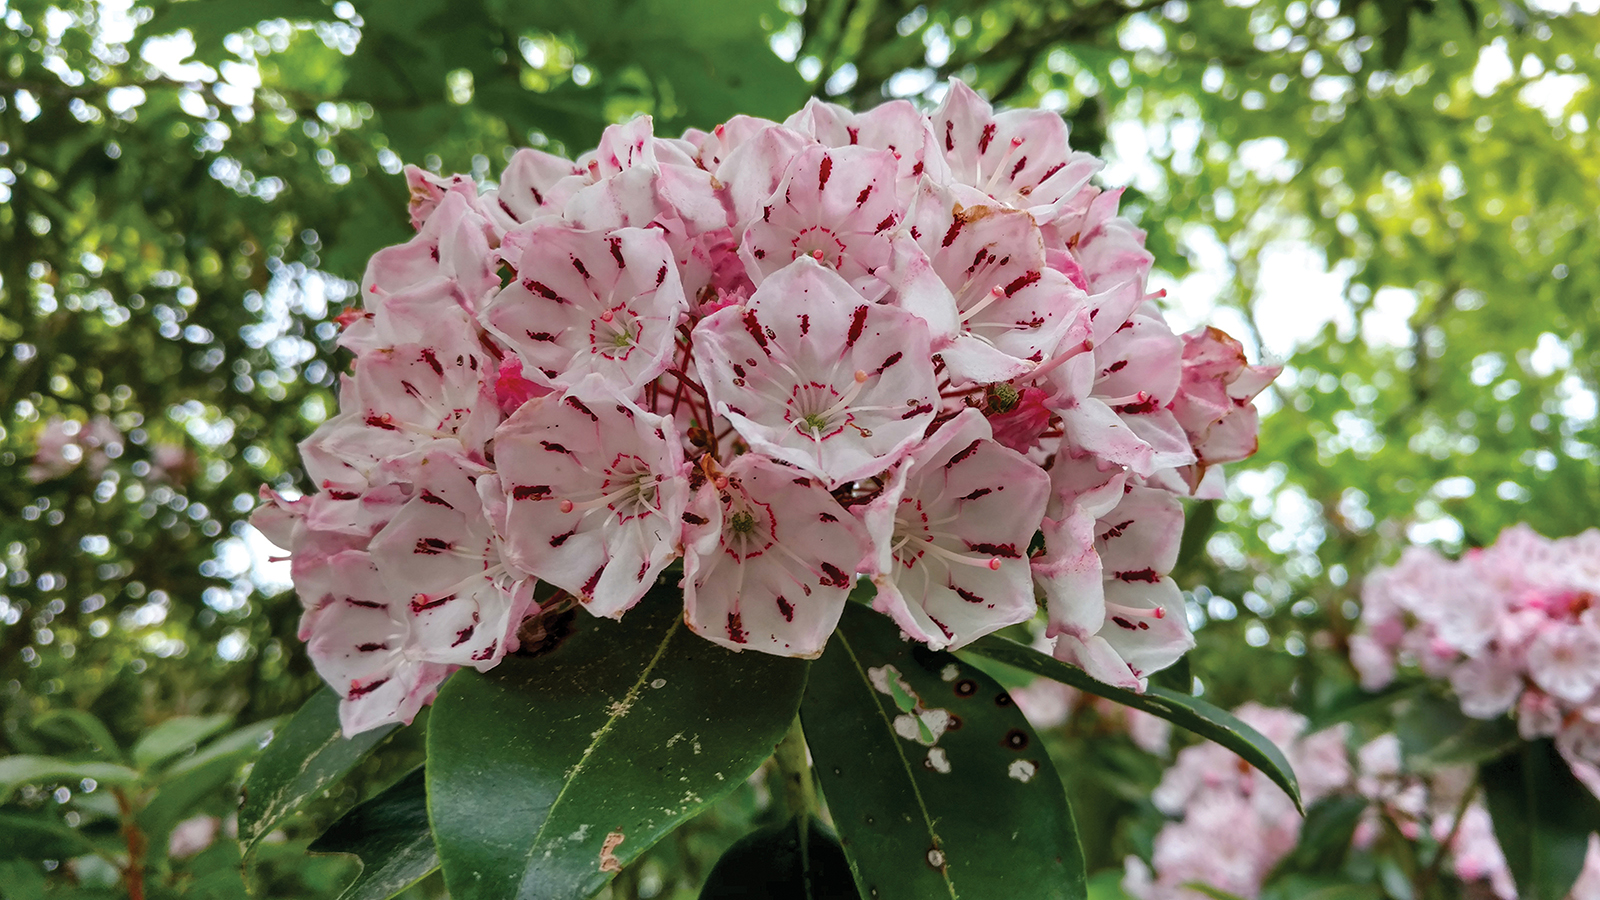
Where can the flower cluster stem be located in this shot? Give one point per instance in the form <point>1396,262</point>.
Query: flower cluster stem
<point>799,791</point>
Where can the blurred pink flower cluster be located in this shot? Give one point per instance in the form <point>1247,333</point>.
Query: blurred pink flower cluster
<point>65,444</point>
<point>1233,825</point>
<point>1513,627</point>
<point>892,345</point>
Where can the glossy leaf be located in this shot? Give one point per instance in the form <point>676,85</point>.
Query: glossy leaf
<point>389,834</point>
<point>1543,817</point>
<point>783,862</point>
<point>1435,733</point>
<point>16,771</point>
<point>174,736</point>
<point>1180,709</point>
<point>592,752</point>
<point>39,836</point>
<point>938,785</point>
<point>305,757</point>
<point>195,778</point>
<point>78,725</point>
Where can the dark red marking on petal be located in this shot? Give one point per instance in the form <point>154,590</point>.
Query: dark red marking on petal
<point>805,328</point>
<point>753,325</point>
<point>428,496</point>
<point>343,495</point>
<point>785,608</point>
<point>736,632</point>
<point>954,232</point>
<point>823,171</point>
<point>917,411</point>
<point>855,133</point>
<point>858,324</point>
<point>361,690</point>
<point>588,586</point>
<point>364,604</point>
<point>967,595</point>
<point>464,635</point>
<point>616,252</point>
<point>1144,405</point>
<point>411,389</point>
<point>1008,551</point>
<point>834,576</point>
<point>487,652</point>
<point>976,493</point>
<point>986,138</point>
<point>386,422</point>
<point>885,225</point>
<point>1051,171</point>
<point>966,451</point>
<point>561,538</point>
<point>948,634</point>
<point>1146,576</point>
<point>949,137</point>
<point>916,170</point>
<point>370,647</point>
<point>431,546</point>
<point>695,518</point>
<point>541,336</point>
<point>538,287</point>
<point>432,359</point>
<point>554,447</point>
<point>1115,531</point>
<point>1021,282</point>
<point>890,360</point>
<point>577,404</point>
<point>1021,163</point>
<point>803,481</point>
<point>578,264</point>
<point>1124,623</point>
<point>828,517</point>
<point>862,197</point>
<point>530,492</point>
<point>661,275</point>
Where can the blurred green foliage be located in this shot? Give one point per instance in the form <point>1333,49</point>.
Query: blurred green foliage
<point>1398,197</point>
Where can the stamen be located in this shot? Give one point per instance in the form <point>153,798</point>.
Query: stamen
<point>997,293</point>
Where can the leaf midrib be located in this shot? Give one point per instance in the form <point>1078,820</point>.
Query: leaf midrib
<point>599,737</point>
<point>894,740</point>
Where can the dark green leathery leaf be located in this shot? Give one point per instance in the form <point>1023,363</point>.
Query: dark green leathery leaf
<point>782,862</point>
<point>1180,709</point>
<point>937,784</point>
<point>389,834</point>
<point>548,774</point>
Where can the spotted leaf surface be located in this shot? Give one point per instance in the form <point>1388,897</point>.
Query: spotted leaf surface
<point>937,784</point>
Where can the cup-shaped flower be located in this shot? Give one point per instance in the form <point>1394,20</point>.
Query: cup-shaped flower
<point>769,559</point>
<point>950,535</point>
<point>811,374</point>
<point>590,302</point>
<point>595,491</point>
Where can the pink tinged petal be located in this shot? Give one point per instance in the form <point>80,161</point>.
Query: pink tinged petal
<point>454,244</point>
<point>591,303</point>
<point>511,389</point>
<point>1071,577</point>
<point>427,190</point>
<point>951,533</point>
<point>355,636</point>
<point>397,697</point>
<point>752,164</point>
<point>897,126</point>
<point>837,206</point>
<point>1093,427</point>
<point>1564,661</point>
<point>596,494</point>
<point>1096,657</point>
<point>528,188</point>
<point>1143,356</point>
<point>1146,624</point>
<point>627,199</point>
<point>770,560</point>
<point>811,374</point>
<point>1138,541</point>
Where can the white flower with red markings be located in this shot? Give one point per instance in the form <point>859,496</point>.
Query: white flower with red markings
<point>810,373</point>
<point>595,493</point>
<point>769,559</point>
<point>950,535</point>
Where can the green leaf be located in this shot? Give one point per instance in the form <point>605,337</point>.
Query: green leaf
<point>39,836</point>
<point>788,861</point>
<point>389,834</point>
<point>1435,733</point>
<point>194,778</point>
<point>176,735</point>
<point>1180,709</point>
<point>1543,817</point>
<point>68,724</point>
<point>16,771</point>
<point>209,21</point>
<point>305,757</point>
<point>924,810</point>
<point>1324,838</point>
<point>589,754</point>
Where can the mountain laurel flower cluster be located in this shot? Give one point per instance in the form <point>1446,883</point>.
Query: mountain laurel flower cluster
<point>915,349</point>
<point>1513,627</point>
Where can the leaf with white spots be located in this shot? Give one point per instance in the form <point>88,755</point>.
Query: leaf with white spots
<point>938,785</point>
